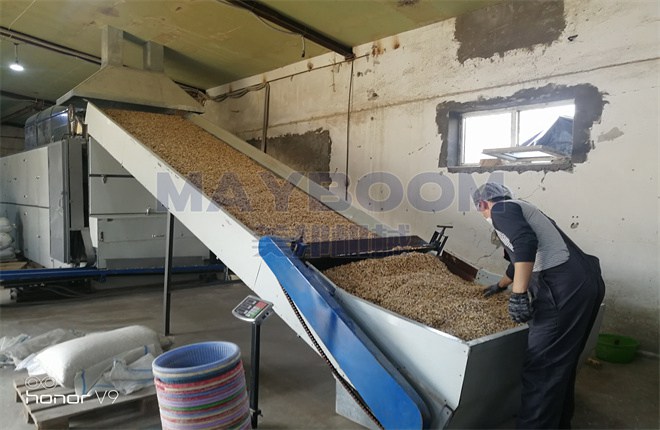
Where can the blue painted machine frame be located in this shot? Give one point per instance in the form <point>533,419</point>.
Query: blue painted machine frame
<point>390,397</point>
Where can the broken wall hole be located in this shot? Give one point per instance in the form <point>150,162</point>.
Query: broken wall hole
<point>589,104</point>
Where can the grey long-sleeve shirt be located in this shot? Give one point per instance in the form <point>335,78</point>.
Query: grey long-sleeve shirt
<point>528,235</point>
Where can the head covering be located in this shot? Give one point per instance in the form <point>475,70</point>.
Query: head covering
<point>491,191</point>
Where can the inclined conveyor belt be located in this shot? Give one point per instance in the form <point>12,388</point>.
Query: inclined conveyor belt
<point>409,375</point>
<point>389,396</point>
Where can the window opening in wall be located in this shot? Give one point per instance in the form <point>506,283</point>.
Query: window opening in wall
<point>531,134</point>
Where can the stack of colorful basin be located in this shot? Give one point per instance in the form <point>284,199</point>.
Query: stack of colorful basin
<point>202,386</point>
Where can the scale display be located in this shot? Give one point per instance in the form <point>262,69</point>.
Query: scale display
<point>252,309</point>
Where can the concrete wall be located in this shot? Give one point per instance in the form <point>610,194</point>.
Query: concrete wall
<point>607,204</point>
<point>12,140</point>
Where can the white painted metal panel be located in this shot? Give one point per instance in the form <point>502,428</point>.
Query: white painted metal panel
<point>119,195</point>
<point>8,176</point>
<point>447,370</point>
<point>25,178</point>
<point>35,170</point>
<point>427,356</point>
<point>134,228</point>
<point>142,238</point>
<point>102,163</point>
<point>59,210</point>
<point>233,243</point>
<point>31,235</point>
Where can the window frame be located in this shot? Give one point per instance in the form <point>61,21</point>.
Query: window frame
<point>514,133</point>
<point>589,104</point>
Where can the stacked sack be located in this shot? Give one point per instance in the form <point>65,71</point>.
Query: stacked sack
<point>7,250</point>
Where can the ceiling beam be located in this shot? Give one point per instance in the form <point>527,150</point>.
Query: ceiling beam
<point>65,50</point>
<point>15,96</point>
<point>21,111</point>
<point>272,15</point>
<point>35,41</point>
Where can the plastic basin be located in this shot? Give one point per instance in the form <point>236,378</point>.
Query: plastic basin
<point>616,348</point>
<point>202,386</point>
<point>196,362</point>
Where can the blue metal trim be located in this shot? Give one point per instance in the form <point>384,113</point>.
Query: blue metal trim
<point>75,273</point>
<point>389,396</point>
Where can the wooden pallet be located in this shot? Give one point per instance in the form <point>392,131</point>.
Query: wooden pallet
<point>13,265</point>
<point>50,408</point>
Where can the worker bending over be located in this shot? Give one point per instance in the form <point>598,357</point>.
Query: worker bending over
<point>557,289</point>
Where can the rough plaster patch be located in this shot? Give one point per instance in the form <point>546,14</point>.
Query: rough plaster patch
<point>109,11</point>
<point>308,152</point>
<point>377,49</point>
<point>507,26</point>
<point>610,135</point>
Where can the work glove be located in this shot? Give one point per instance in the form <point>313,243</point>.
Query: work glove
<point>520,309</point>
<point>493,289</point>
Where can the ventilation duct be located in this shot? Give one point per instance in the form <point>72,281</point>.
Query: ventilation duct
<point>117,84</point>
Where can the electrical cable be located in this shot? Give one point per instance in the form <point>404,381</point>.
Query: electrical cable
<point>21,14</point>
<point>242,92</point>
<point>268,24</point>
<point>348,127</point>
<point>239,93</point>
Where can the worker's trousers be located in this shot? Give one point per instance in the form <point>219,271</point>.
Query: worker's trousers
<point>566,300</point>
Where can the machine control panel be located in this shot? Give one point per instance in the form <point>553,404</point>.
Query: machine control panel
<point>252,309</point>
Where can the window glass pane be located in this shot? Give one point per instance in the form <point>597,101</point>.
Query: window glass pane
<point>550,126</point>
<point>483,132</point>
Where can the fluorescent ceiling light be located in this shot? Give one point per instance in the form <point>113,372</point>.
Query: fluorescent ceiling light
<point>16,66</point>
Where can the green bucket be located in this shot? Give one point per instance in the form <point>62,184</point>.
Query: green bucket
<point>615,348</point>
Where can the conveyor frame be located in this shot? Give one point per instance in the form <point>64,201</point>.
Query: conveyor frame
<point>231,241</point>
<point>447,372</point>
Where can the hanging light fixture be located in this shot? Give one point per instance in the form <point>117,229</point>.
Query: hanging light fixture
<point>16,66</point>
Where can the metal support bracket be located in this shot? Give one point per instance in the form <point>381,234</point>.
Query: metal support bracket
<point>167,295</point>
<point>438,239</point>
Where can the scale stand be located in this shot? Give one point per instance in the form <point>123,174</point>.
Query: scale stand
<point>254,310</point>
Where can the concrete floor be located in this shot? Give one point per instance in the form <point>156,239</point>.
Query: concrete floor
<point>297,391</point>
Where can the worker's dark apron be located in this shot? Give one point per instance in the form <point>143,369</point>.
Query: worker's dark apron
<point>566,299</point>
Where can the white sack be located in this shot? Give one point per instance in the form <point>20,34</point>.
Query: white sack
<point>5,225</point>
<point>7,254</point>
<point>118,375</point>
<point>8,342</point>
<point>33,345</point>
<point>129,378</point>
<point>5,240</point>
<point>61,362</point>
